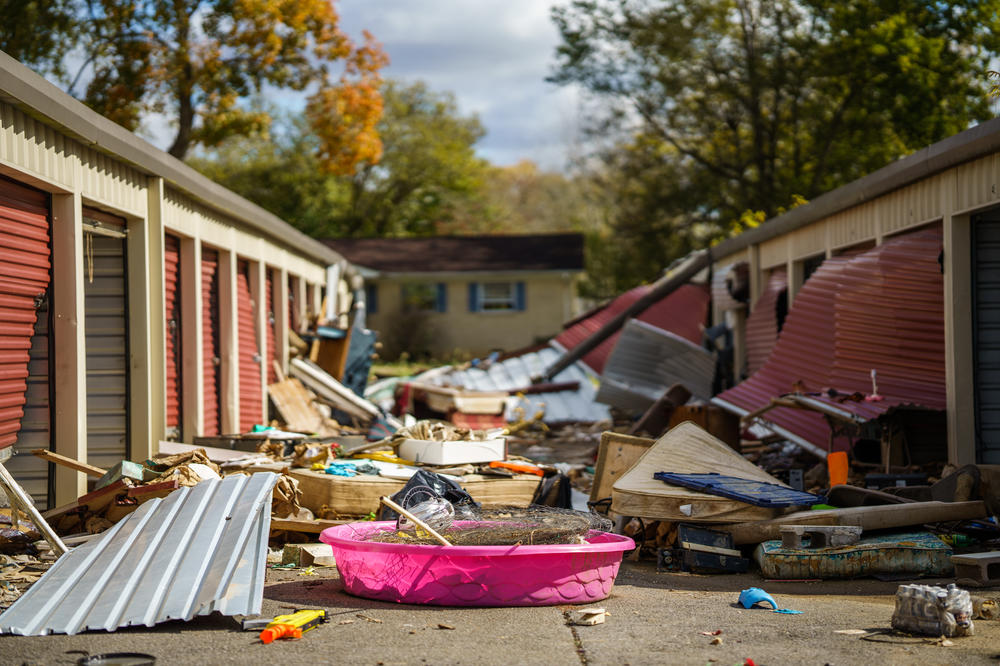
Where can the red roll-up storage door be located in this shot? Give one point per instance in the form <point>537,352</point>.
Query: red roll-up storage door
<point>272,345</point>
<point>24,277</point>
<point>172,318</point>
<point>210,339</point>
<point>251,400</point>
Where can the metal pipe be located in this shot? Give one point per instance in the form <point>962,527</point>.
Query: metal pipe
<point>696,262</point>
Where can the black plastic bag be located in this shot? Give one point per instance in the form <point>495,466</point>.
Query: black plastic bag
<point>426,484</point>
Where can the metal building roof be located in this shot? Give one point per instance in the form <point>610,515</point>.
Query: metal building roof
<point>514,373</point>
<point>200,549</point>
<point>882,309</point>
<point>647,361</point>
<point>682,312</point>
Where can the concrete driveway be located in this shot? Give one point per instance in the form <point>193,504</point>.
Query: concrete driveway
<point>655,618</point>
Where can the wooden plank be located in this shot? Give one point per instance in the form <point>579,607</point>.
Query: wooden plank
<point>332,391</point>
<point>687,449</point>
<point>705,548</point>
<point>309,526</point>
<point>615,455</point>
<point>294,405</point>
<point>51,456</point>
<point>359,495</point>
<point>866,517</point>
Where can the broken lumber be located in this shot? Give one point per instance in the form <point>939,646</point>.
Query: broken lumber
<point>865,517</point>
<point>294,405</point>
<point>310,526</point>
<point>53,457</point>
<point>333,392</point>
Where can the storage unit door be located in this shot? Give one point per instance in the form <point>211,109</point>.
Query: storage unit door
<point>24,349</point>
<point>210,341</point>
<point>106,338</point>
<point>251,400</point>
<point>986,333</point>
<point>172,323</point>
<point>272,345</point>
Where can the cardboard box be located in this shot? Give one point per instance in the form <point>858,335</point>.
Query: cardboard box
<point>453,453</point>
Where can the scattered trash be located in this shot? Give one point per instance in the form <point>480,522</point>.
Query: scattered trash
<point>937,611</point>
<point>851,632</point>
<point>368,618</point>
<point>711,633</point>
<point>441,625</point>
<point>587,617</point>
<point>716,641</point>
<point>117,659</point>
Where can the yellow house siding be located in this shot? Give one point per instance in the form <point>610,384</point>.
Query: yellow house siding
<point>549,299</point>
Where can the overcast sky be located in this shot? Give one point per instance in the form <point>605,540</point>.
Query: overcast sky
<point>493,55</point>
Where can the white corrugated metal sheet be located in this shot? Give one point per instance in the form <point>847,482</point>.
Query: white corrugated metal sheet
<point>515,373</point>
<point>198,550</point>
<point>647,361</point>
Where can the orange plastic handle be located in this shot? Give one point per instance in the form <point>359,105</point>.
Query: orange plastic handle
<point>280,631</point>
<point>523,468</point>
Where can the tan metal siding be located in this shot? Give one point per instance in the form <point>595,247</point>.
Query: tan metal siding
<point>975,182</point>
<point>107,181</point>
<point>35,148</point>
<point>774,252</point>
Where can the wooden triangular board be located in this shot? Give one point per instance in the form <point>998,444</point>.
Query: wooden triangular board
<point>687,449</point>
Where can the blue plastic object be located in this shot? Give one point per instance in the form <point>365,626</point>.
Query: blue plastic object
<point>754,595</point>
<point>758,493</point>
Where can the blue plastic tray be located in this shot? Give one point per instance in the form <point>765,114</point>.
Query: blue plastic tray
<point>758,493</point>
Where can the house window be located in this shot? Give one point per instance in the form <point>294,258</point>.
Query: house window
<point>424,297</point>
<point>496,296</point>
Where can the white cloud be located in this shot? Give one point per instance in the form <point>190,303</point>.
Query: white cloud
<point>493,55</point>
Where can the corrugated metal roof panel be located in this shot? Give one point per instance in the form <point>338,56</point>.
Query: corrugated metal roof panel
<point>516,372</point>
<point>682,312</point>
<point>647,361</point>
<point>762,324</point>
<point>721,279</point>
<point>883,310</point>
<point>199,550</point>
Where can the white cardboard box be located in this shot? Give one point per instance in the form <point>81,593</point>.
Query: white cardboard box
<point>453,453</point>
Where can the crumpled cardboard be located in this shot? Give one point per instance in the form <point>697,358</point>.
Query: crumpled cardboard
<point>286,498</point>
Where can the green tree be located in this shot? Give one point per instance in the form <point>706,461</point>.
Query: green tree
<point>428,163</point>
<point>197,61</point>
<point>726,106</point>
<point>22,38</point>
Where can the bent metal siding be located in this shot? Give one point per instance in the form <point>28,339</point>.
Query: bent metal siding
<point>882,309</point>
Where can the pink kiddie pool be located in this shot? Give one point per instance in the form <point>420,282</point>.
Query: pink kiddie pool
<point>475,575</point>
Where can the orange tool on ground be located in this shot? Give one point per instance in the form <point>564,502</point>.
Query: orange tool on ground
<point>292,626</point>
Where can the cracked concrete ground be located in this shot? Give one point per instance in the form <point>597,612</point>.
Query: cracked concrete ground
<point>655,618</point>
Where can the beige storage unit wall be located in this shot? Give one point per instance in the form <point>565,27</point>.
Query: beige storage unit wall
<point>96,388</point>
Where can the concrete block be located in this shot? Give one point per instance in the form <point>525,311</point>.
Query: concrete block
<point>978,568</point>
<point>308,555</point>
<point>820,536</point>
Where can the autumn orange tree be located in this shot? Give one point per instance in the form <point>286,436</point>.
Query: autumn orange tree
<point>197,60</point>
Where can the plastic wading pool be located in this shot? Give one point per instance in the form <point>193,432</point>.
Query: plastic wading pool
<point>475,575</point>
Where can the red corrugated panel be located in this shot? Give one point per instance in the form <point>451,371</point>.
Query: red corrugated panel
<point>882,309</point>
<point>210,340</point>
<point>24,275</point>
<point>172,317</point>
<point>251,400</point>
<point>682,312</point>
<point>762,324</point>
<point>272,344</point>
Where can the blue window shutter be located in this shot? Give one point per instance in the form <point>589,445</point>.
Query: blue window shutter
<point>519,296</point>
<point>473,297</point>
<point>371,298</point>
<point>442,297</point>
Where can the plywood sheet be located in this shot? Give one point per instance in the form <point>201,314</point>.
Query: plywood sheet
<point>615,456</point>
<point>294,404</point>
<point>686,449</point>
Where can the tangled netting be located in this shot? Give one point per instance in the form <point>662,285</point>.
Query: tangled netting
<point>508,526</point>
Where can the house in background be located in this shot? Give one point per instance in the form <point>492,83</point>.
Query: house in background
<point>470,294</point>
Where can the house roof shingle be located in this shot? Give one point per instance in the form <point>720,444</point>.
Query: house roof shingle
<point>464,253</point>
